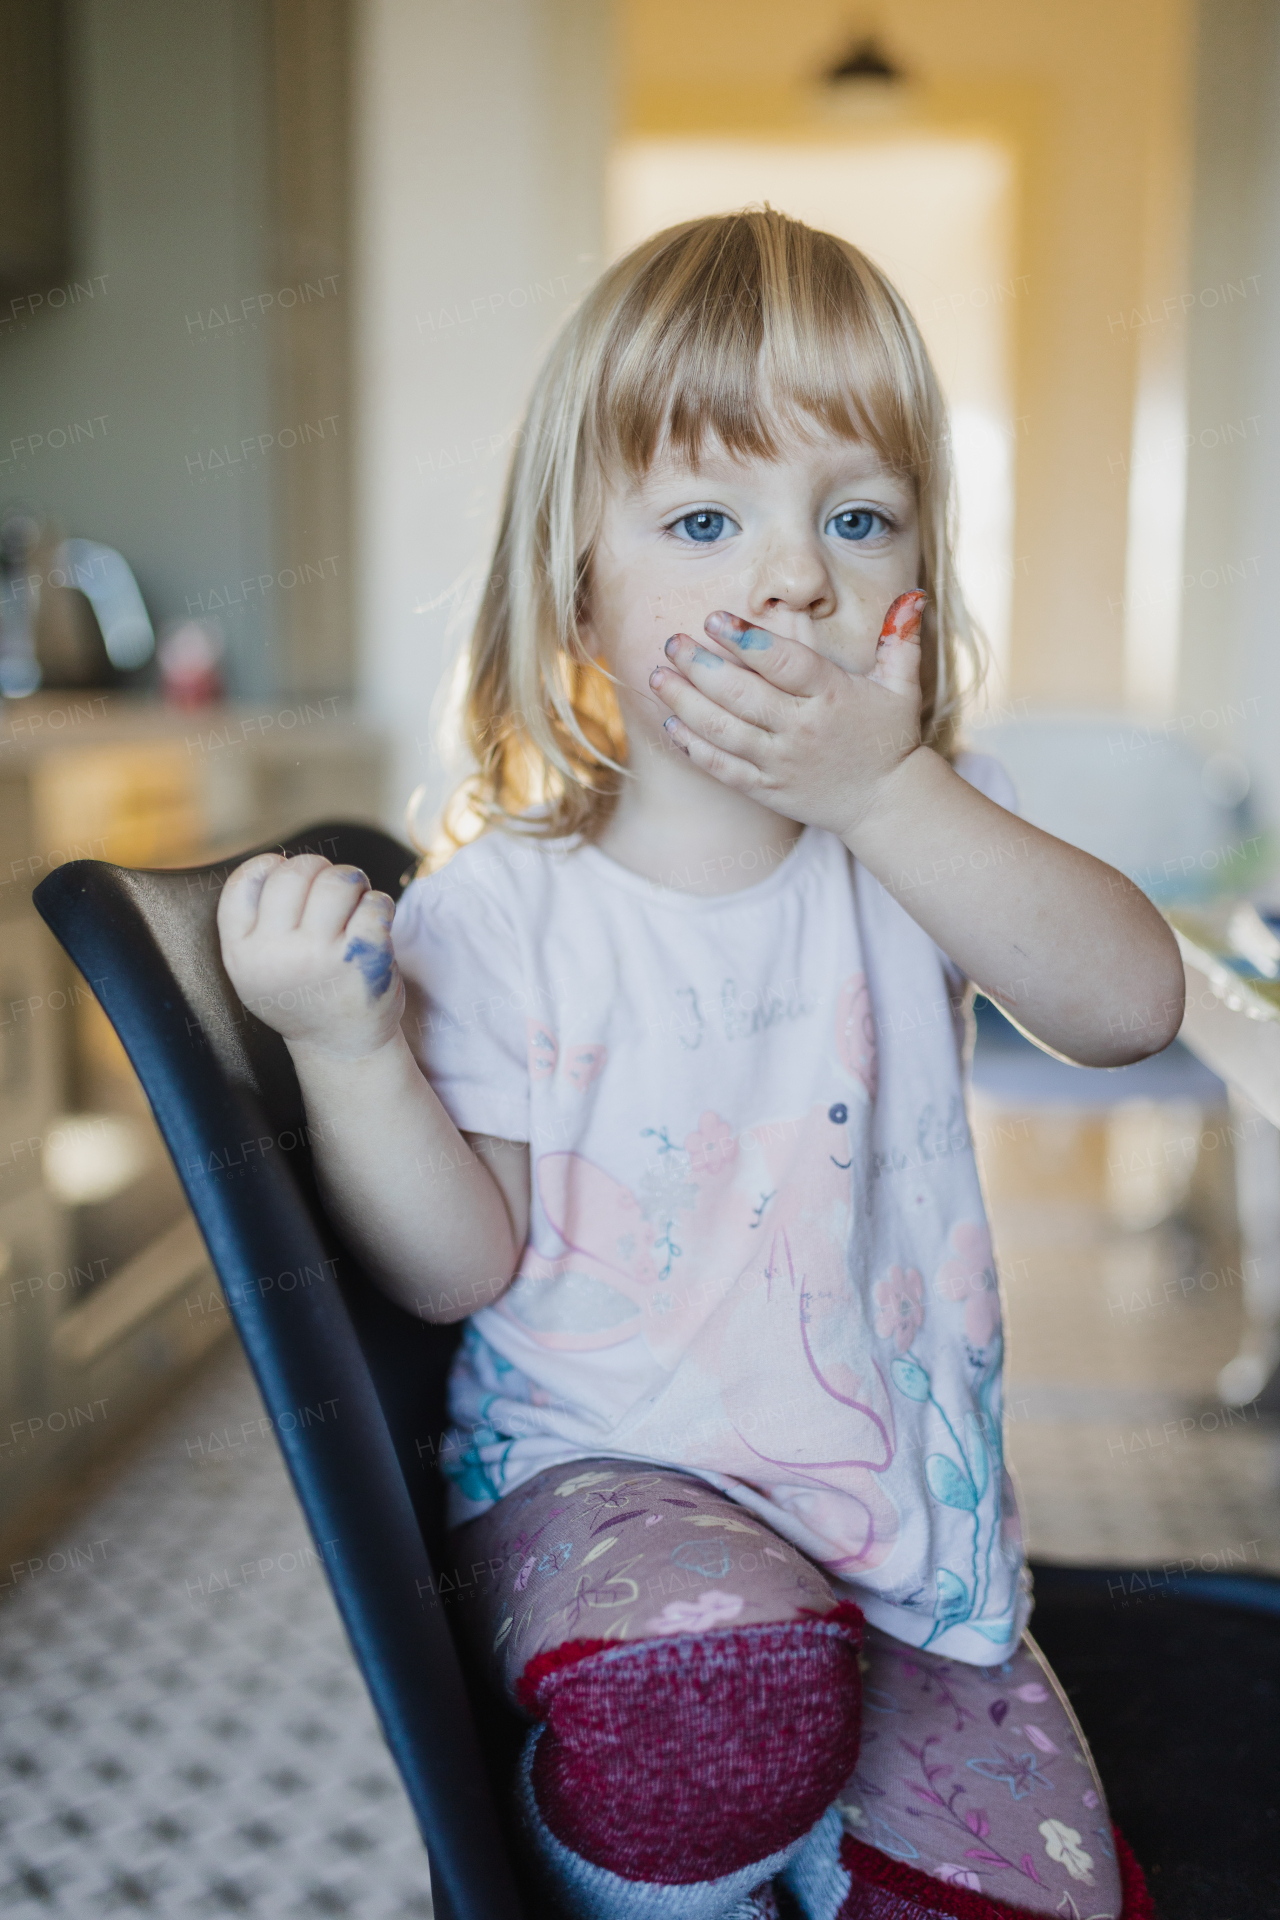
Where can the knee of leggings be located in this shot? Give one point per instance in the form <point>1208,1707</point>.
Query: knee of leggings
<point>683,1759</point>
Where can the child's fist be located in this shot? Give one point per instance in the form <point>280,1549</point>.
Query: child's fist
<point>308,949</point>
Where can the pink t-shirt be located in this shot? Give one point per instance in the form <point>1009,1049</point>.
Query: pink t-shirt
<point>758,1249</point>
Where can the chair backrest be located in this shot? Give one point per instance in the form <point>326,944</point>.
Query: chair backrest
<point>354,1386</point>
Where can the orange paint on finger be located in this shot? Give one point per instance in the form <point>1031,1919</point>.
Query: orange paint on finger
<point>902,622</point>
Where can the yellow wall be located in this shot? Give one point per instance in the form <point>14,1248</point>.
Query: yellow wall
<point>1091,96</point>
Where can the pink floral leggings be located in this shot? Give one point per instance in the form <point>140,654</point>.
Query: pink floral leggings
<point>694,1685</point>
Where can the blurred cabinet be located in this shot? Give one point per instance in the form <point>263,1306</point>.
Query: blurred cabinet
<point>106,1295</point>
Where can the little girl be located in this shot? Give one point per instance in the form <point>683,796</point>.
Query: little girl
<point>658,1083</point>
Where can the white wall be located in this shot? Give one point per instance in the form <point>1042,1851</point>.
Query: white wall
<point>480,143</point>
<point>1229,685</point>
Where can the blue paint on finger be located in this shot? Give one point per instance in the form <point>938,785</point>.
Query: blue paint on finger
<point>753,640</point>
<point>375,963</point>
<point>703,657</point>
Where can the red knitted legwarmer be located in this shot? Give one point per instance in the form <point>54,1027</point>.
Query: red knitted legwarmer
<point>683,1759</point>
<point>885,1889</point>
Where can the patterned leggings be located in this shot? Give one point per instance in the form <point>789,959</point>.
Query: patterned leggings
<point>711,1724</point>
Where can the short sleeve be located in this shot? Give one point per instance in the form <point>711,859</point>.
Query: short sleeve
<point>459,949</point>
<point>983,771</point>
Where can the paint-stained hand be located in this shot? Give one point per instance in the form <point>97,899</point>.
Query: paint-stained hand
<point>308,948</point>
<point>775,719</point>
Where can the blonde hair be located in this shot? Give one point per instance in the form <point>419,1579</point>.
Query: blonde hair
<point>674,346</point>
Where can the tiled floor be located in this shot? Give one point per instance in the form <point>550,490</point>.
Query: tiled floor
<point>1122,1450</point>
<point>184,1738</point>
<point>180,1737</point>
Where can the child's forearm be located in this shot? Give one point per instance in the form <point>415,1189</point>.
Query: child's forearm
<point>1068,947</point>
<point>405,1189</point>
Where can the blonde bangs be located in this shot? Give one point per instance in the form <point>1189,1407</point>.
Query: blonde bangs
<point>726,329</point>
<point>736,328</point>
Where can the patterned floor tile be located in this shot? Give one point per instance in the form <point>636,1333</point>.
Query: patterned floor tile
<point>175,1746</point>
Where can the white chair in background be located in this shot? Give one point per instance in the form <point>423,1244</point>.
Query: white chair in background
<point>1178,823</point>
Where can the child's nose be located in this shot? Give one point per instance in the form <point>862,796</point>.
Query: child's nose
<point>791,576</point>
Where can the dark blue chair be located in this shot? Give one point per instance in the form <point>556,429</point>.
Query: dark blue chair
<point>315,1329</point>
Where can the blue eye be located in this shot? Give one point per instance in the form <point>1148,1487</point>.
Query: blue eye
<point>838,1114</point>
<point>856,523</point>
<point>703,527</point>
